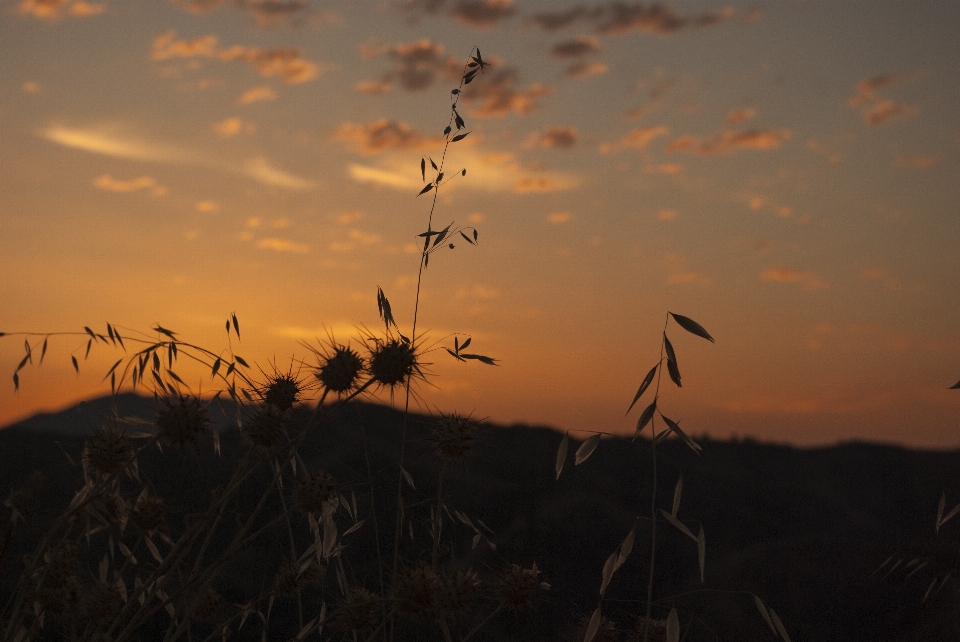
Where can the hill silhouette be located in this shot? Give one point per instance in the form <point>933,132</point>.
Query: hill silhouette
<point>804,529</point>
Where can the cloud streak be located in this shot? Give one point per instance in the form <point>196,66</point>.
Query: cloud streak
<point>873,107</point>
<point>619,18</point>
<point>729,141</point>
<point>808,280</point>
<point>382,135</point>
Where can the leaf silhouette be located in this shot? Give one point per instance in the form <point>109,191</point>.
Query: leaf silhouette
<point>586,449</point>
<point>562,453</point>
<point>694,446</point>
<point>643,386</point>
<point>425,189</point>
<point>241,361</point>
<point>955,386</point>
<point>645,417</point>
<point>423,169</point>
<point>674,371</point>
<point>76,366</point>
<point>692,326</point>
<point>236,324</point>
<point>673,626</point>
<point>459,137</point>
<point>593,626</point>
<point>479,357</point>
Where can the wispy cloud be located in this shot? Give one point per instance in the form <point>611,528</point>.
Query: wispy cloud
<point>580,46</point>
<point>382,135</point>
<point>638,138</point>
<point>919,161</point>
<point>497,95</point>
<point>479,14</point>
<point>285,63</point>
<point>555,138</point>
<point>808,280</point>
<point>558,218</point>
<point>618,18</point>
<point>114,142</point>
<point>229,127</point>
<point>148,183</point>
<point>53,10</point>
<point>873,107</point>
<point>728,141</point>
<point>355,238</point>
<point>283,245</point>
<point>257,94</point>
<point>679,273</point>
<point>266,12</point>
<point>737,116</point>
<point>417,65</point>
<point>584,69</point>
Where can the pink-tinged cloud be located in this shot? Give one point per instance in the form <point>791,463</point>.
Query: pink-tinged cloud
<point>670,169</point>
<point>618,18</point>
<point>584,69</point>
<point>556,138</point>
<point>269,13</point>
<point>679,273</point>
<point>199,6</point>
<point>728,141</point>
<point>148,183</point>
<point>786,275</point>
<point>641,137</point>
<point>283,245</point>
<point>373,87</point>
<point>53,10</point>
<point>737,116</point>
<point>496,95</point>
<point>543,184</point>
<point>285,63</point>
<point>919,161</point>
<point>30,87</point>
<point>873,107</point>
<point>384,135</point>
<point>580,46</point>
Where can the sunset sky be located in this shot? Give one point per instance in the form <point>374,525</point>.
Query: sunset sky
<point>785,173</point>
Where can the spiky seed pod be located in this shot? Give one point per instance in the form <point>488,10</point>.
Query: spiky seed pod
<point>310,494</point>
<point>453,436</point>
<point>517,587</point>
<point>265,428</point>
<point>148,513</point>
<point>357,611</point>
<point>392,362</point>
<point>281,392</point>
<point>657,633</point>
<point>181,420</point>
<point>107,451</point>
<point>207,605</point>
<point>341,371</point>
<point>606,632</point>
<point>460,590</point>
<point>287,579</point>
<point>418,590</point>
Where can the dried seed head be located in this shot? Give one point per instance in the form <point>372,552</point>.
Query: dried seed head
<point>181,420</point>
<point>460,590</point>
<point>340,372</point>
<point>657,632</point>
<point>392,362</point>
<point>107,451</point>
<point>265,428</point>
<point>418,590</point>
<point>606,632</point>
<point>55,585</point>
<point>148,513</point>
<point>207,605</point>
<point>100,603</point>
<point>453,436</point>
<point>281,392</point>
<point>357,611</point>
<point>287,579</point>
<point>517,587</point>
<point>310,494</point>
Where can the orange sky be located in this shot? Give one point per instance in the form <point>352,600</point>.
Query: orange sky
<point>783,172</point>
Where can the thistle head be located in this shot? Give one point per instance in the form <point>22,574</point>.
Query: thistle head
<point>340,369</point>
<point>181,420</point>
<point>148,512</point>
<point>418,590</point>
<point>517,587</point>
<point>310,494</point>
<point>453,436</point>
<point>282,391</point>
<point>357,611</point>
<point>108,451</point>
<point>265,427</point>
<point>393,361</point>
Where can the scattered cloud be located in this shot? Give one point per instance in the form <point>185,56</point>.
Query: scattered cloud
<point>356,238</point>
<point>285,63</point>
<point>555,138</point>
<point>584,69</point>
<point>147,183</point>
<point>786,275</point>
<point>737,116</point>
<point>497,95</point>
<point>30,87</point>
<point>229,127</point>
<point>418,65</point>
<point>372,87</point>
<point>110,141</point>
<point>257,94</point>
<point>664,168</point>
<point>920,161</point>
<point>558,218</point>
<point>667,215</point>
<point>639,137</point>
<point>53,10</point>
<point>383,135</point>
<point>269,13</point>
<point>873,107</point>
<point>346,218</point>
<point>479,14</point>
<point>580,46</point>
<point>208,207</point>
<point>679,274</point>
<point>385,177</point>
<point>283,245</point>
<point>199,6</point>
<point>618,18</point>
<point>820,149</point>
<point>261,170</point>
<point>732,140</point>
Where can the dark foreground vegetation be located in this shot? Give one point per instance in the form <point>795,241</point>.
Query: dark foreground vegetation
<point>807,529</point>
